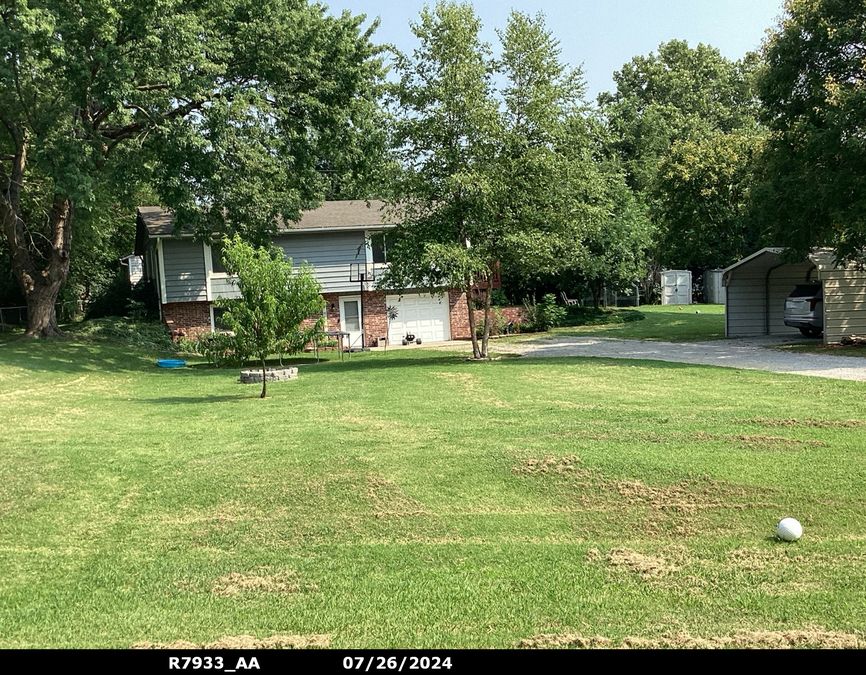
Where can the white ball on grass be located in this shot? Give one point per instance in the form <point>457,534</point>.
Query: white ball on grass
<point>789,529</point>
<point>697,311</point>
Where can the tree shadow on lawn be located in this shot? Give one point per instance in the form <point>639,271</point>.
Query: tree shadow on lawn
<point>198,400</point>
<point>73,357</point>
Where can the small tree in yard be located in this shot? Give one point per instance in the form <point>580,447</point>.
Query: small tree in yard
<point>275,302</point>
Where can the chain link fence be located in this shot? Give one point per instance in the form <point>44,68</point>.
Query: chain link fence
<point>15,317</point>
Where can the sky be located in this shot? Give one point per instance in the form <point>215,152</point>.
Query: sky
<point>599,35</point>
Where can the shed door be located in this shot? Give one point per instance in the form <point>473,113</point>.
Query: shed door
<point>676,287</point>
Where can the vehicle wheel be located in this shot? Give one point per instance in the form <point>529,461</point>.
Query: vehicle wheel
<point>811,332</point>
<point>405,342</point>
<point>418,341</point>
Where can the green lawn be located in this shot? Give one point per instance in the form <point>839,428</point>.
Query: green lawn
<point>669,323</point>
<point>414,499</point>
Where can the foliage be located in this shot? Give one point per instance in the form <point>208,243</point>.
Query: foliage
<point>217,348</point>
<point>120,298</point>
<point>498,298</point>
<point>275,303</point>
<point>498,324</point>
<point>483,184</point>
<point>813,92</point>
<point>237,112</point>
<point>702,194</point>
<point>683,122</point>
<point>545,315</point>
<point>145,335</point>
<point>616,247</point>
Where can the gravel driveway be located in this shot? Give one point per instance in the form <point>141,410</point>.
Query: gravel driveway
<point>747,353</point>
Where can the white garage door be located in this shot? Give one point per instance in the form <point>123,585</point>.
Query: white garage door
<point>423,316</point>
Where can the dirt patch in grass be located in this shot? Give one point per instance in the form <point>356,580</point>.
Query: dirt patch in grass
<point>281,582</point>
<point>389,501</point>
<point>793,422</point>
<point>472,389</point>
<point>647,566</point>
<point>754,559</point>
<point>246,642</point>
<point>611,504</point>
<point>805,637</point>
<point>549,464</point>
<point>777,442</point>
<point>687,497</point>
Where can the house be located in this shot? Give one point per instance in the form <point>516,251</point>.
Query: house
<point>335,239</point>
<point>757,286</point>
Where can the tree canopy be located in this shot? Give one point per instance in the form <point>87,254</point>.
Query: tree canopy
<point>674,114</point>
<point>813,93</point>
<point>236,112</point>
<point>484,180</point>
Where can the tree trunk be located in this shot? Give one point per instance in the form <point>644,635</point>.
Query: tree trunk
<point>596,294</point>
<point>264,378</point>
<point>41,270</point>
<point>488,293</point>
<point>476,350</point>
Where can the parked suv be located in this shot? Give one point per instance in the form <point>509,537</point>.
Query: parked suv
<point>804,309</point>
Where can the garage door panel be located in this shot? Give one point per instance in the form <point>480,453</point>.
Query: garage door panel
<point>424,316</point>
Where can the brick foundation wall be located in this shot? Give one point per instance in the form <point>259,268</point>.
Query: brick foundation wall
<point>187,319</point>
<point>458,311</point>
<point>515,314</point>
<point>375,317</point>
<point>333,315</point>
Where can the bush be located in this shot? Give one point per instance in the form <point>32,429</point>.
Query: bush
<point>217,348</point>
<point>119,330</point>
<point>498,324</point>
<point>498,298</point>
<point>545,315</point>
<point>119,298</point>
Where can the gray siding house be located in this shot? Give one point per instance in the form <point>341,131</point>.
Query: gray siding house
<point>335,240</point>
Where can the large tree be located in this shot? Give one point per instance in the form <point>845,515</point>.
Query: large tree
<point>702,194</point>
<point>237,111</point>
<point>813,90</point>
<point>484,181</point>
<point>670,110</point>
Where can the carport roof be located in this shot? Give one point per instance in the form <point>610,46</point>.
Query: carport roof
<point>771,253</point>
<point>771,256</point>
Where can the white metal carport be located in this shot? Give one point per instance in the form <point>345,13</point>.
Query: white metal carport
<point>757,286</point>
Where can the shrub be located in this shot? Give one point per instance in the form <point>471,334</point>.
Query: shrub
<point>498,324</point>
<point>498,298</point>
<point>217,348</point>
<point>118,330</point>
<point>545,315</point>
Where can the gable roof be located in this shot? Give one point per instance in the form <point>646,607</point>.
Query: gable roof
<point>333,215</point>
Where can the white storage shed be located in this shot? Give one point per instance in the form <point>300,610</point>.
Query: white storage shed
<point>676,287</point>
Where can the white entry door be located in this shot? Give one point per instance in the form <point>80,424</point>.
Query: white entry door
<point>350,321</point>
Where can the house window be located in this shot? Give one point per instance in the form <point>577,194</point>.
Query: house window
<point>216,258</point>
<point>379,248</point>
<point>217,315</point>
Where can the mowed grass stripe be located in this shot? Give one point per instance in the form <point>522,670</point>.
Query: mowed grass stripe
<point>405,494</point>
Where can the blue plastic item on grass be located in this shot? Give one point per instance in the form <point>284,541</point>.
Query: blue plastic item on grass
<point>171,363</point>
